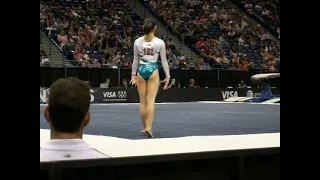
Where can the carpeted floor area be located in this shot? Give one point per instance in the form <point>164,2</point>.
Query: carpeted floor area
<point>182,119</point>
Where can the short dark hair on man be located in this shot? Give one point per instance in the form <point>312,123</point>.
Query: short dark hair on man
<point>69,102</point>
<point>148,26</point>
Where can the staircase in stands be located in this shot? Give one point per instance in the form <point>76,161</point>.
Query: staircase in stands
<point>54,54</point>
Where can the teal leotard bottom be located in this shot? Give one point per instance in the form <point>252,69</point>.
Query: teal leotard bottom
<point>147,69</point>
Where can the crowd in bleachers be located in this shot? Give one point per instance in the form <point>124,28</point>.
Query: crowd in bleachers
<point>219,33</point>
<point>92,33</point>
<point>267,11</point>
<point>101,33</point>
<point>98,33</point>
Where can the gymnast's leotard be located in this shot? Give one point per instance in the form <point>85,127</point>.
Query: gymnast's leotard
<point>146,56</point>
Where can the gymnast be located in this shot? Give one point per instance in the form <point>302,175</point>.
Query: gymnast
<point>146,52</point>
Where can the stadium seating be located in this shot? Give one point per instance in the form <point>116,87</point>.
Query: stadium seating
<point>118,20</point>
<point>181,17</point>
<point>265,12</point>
<point>206,27</point>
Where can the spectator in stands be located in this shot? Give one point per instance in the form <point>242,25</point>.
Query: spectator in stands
<point>112,59</point>
<point>180,57</point>
<point>112,43</point>
<point>120,57</point>
<point>72,35</point>
<point>126,64</point>
<point>63,39</point>
<point>244,24</point>
<point>153,4</point>
<point>248,5</point>
<point>216,57</point>
<point>223,58</point>
<point>85,54</point>
<point>243,65</point>
<point>43,56</point>
<point>86,63</point>
<point>200,44</point>
<point>192,84</point>
<point>87,59</point>
<point>192,66</point>
<point>236,60</point>
<point>241,41</point>
<point>242,84</point>
<point>103,44</point>
<point>174,65</point>
<point>271,64</point>
<point>124,83</point>
<point>265,12</point>
<point>249,62</point>
<point>258,7</point>
<point>78,56</point>
<point>68,114</point>
<point>87,34</point>
<point>108,82</point>
<point>170,42</point>
<point>196,66</point>
<point>172,58</point>
<point>65,24</point>
<point>182,65</point>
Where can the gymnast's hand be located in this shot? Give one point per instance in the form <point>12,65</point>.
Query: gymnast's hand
<point>166,83</point>
<point>134,80</point>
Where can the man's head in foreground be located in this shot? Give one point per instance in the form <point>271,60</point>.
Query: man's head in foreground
<point>68,108</point>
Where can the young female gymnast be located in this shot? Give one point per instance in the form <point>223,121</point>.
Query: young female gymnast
<point>146,52</point>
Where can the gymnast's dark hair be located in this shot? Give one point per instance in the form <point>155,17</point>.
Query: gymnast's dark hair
<point>69,102</point>
<point>148,26</point>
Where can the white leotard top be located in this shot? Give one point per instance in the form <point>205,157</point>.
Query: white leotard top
<point>150,51</point>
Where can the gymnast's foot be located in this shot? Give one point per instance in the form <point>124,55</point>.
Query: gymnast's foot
<point>149,133</point>
<point>143,132</point>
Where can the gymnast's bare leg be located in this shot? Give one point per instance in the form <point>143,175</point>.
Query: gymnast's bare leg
<point>152,90</point>
<point>142,90</point>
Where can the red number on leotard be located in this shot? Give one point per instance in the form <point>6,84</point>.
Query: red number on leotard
<point>148,51</point>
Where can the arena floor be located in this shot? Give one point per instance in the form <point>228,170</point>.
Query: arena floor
<point>183,119</point>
